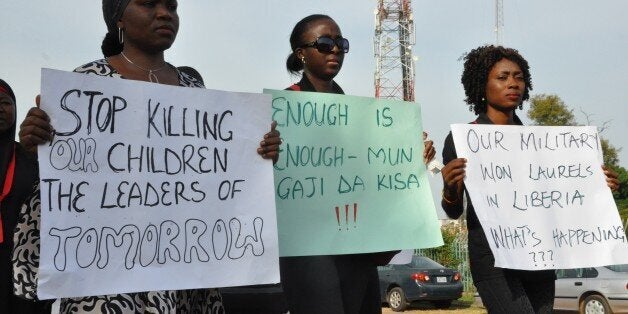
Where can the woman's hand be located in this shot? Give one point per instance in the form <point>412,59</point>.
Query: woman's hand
<point>269,146</point>
<point>611,178</point>
<point>429,151</point>
<point>453,177</point>
<point>35,129</point>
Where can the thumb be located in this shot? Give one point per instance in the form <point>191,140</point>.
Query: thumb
<point>37,100</point>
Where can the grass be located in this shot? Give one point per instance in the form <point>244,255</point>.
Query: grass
<point>466,304</point>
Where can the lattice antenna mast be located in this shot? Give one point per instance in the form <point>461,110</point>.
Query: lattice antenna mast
<point>394,38</point>
<point>499,21</point>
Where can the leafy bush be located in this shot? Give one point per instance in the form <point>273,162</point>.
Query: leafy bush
<point>449,254</point>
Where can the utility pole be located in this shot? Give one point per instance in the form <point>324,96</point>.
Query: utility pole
<point>499,21</point>
<point>394,38</point>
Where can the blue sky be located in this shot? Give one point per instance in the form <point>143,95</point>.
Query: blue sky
<point>576,49</point>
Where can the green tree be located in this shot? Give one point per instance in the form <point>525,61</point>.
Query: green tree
<point>611,156</point>
<point>622,193</point>
<point>446,254</point>
<point>550,110</point>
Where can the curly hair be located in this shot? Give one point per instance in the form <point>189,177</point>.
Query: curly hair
<point>477,65</point>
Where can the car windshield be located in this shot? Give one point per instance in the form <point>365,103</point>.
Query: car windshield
<point>622,268</point>
<point>424,262</point>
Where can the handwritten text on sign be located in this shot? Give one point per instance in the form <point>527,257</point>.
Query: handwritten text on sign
<point>541,195</point>
<point>143,180</point>
<point>350,177</point>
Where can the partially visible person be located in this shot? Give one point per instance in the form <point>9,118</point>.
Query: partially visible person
<point>139,32</point>
<point>496,82</point>
<point>331,284</point>
<point>18,175</point>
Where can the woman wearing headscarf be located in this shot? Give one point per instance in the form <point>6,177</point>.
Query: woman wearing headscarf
<point>139,32</point>
<point>18,174</point>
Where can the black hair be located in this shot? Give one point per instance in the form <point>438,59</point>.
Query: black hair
<point>293,64</point>
<point>478,63</point>
<point>110,45</point>
<point>112,11</point>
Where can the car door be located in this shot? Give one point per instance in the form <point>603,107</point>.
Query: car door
<point>386,277</point>
<point>568,289</point>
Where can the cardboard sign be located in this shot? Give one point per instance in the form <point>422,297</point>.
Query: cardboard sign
<point>153,187</point>
<point>541,195</point>
<point>351,176</point>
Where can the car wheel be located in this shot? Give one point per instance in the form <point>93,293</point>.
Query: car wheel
<point>442,304</point>
<point>594,304</point>
<point>397,299</point>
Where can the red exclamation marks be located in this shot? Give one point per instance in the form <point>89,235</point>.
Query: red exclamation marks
<point>338,217</point>
<point>355,216</point>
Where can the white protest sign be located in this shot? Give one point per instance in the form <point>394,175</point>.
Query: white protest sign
<point>541,195</point>
<point>153,187</point>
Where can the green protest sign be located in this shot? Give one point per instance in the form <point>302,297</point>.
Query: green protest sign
<point>350,176</point>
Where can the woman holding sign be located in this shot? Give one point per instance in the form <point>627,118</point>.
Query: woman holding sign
<point>18,174</point>
<point>139,32</point>
<point>329,283</point>
<point>496,81</point>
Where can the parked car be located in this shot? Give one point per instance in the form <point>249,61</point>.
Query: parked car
<point>421,279</point>
<point>593,289</point>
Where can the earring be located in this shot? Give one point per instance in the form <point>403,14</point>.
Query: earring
<point>120,35</point>
<point>303,60</point>
<point>521,106</point>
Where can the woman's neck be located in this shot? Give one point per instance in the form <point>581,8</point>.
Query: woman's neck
<point>320,85</point>
<point>137,64</point>
<point>500,117</point>
<point>143,59</point>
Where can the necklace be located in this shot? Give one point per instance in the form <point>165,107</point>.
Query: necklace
<point>151,75</point>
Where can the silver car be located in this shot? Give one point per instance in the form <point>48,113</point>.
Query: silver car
<point>593,289</point>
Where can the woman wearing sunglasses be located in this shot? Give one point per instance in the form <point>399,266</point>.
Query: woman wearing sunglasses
<point>333,284</point>
<point>139,31</point>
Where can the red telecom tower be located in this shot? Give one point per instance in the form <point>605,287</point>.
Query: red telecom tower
<point>394,38</point>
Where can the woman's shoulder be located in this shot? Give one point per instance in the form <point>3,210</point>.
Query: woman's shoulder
<point>99,67</point>
<point>294,87</point>
<point>189,77</point>
<point>186,79</point>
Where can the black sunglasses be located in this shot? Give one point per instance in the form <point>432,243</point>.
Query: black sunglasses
<point>326,44</point>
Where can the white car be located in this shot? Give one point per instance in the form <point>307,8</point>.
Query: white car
<point>593,289</point>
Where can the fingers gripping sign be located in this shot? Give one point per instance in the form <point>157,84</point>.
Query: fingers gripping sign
<point>269,146</point>
<point>36,128</point>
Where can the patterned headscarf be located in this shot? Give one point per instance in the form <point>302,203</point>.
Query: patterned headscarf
<point>112,11</point>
